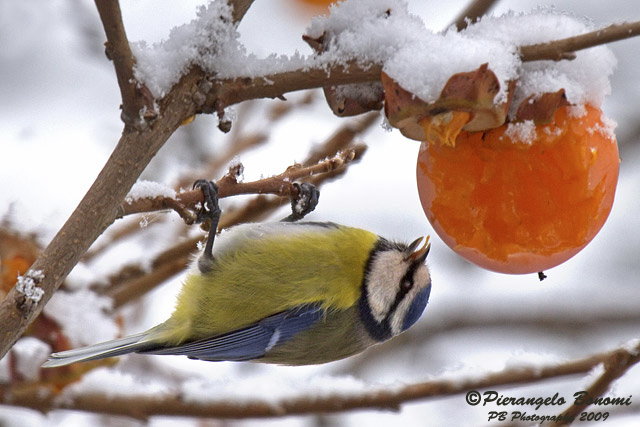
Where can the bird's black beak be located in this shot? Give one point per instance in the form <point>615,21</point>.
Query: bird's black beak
<point>414,254</point>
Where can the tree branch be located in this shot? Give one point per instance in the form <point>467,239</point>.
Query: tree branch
<point>554,323</point>
<point>137,101</point>
<point>172,404</point>
<point>615,364</point>
<point>140,281</point>
<point>224,93</point>
<point>564,48</point>
<point>240,8</point>
<point>232,91</point>
<point>239,143</point>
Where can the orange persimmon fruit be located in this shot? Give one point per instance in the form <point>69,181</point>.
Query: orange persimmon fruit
<point>521,206</point>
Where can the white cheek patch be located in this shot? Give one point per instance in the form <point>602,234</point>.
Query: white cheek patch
<point>383,282</point>
<point>397,319</point>
<point>421,279</point>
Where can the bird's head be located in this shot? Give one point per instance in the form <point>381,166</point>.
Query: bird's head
<point>395,287</point>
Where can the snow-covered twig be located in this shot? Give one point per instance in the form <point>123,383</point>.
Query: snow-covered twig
<point>380,397</point>
<point>233,91</point>
<point>279,185</point>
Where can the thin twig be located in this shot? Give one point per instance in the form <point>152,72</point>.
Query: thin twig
<point>238,144</point>
<point>260,207</point>
<point>564,48</point>
<point>240,8</point>
<point>135,98</point>
<point>342,138</point>
<point>133,281</point>
<point>213,166</point>
<point>241,142</point>
<point>279,185</point>
<point>123,230</point>
<point>554,323</point>
<point>232,91</point>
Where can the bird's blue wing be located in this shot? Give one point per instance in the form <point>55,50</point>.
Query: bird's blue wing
<point>251,342</point>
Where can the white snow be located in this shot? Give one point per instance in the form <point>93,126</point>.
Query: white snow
<point>367,31</point>
<point>271,389</point>
<point>115,383</point>
<point>161,65</point>
<point>632,346</point>
<point>606,128</point>
<point>147,189</point>
<point>521,131</point>
<point>29,354</point>
<point>28,285</point>
<point>384,32</point>
<point>210,41</point>
<point>585,79</point>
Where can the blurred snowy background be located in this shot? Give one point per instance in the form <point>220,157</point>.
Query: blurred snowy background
<point>59,121</point>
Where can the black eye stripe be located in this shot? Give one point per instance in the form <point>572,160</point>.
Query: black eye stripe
<point>408,276</point>
<point>405,287</point>
<point>406,284</point>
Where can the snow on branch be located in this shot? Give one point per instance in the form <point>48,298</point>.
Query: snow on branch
<point>220,93</point>
<point>358,40</point>
<point>615,365</point>
<point>142,401</point>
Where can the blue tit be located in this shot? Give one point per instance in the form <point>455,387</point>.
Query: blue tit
<point>290,293</point>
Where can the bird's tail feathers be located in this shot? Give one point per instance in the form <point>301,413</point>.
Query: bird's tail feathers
<point>102,350</point>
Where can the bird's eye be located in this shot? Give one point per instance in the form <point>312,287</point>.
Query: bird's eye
<point>406,285</point>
